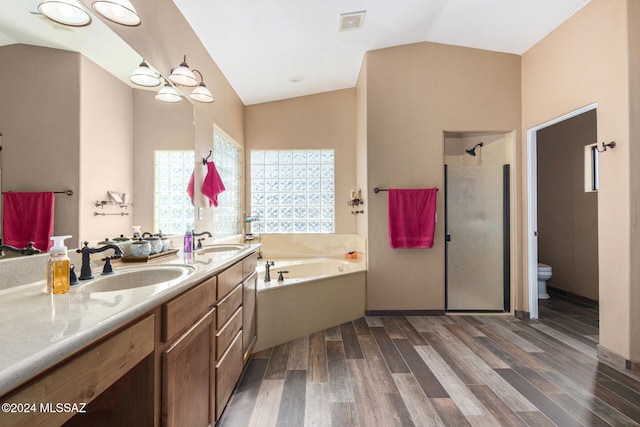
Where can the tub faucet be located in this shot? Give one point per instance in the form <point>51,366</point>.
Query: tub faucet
<point>86,251</point>
<point>280,277</point>
<point>267,266</point>
<point>29,250</point>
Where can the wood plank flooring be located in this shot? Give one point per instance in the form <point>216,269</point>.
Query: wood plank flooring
<point>440,371</point>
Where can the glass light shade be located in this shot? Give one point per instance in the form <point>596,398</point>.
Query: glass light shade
<point>119,11</point>
<point>144,76</point>
<point>202,94</point>
<point>183,76</point>
<point>65,12</point>
<point>168,94</point>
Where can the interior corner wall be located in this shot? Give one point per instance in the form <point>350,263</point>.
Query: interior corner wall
<point>361,150</point>
<point>414,94</point>
<point>157,126</point>
<point>164,50</point>
<point>560,75</point>
<point>567,214</point>
<point>106,151</point>
<point>40,123</point>
<point>322,121</point>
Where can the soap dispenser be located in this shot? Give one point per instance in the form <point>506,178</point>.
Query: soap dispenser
<point>58,266</point>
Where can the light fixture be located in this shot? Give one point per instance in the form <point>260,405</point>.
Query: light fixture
<point>168,94</point>
<point>201,93</point>
<point>144,76</point>
<point>183,76</point>
<point>119,11</point>
<point>65,12</point>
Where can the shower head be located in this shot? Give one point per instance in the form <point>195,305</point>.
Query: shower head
<point>472,151</point>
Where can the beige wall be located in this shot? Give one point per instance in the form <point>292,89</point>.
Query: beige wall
<point>326,120</point>
<point>560,75</point>
<point>634,179</point>
<point>40,122</point>
<point>106,151</point>
<point>567,214</point>
<point>414,94</point>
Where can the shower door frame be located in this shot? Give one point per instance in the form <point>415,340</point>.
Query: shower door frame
<point>506,246</point>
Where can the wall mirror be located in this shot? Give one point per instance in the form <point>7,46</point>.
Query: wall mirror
<point>70,119</point>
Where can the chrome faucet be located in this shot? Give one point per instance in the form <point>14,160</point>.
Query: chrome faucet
<point>29,250</point>
<point>267,275</point>
<point>199,246</point>
<point>86,251</point>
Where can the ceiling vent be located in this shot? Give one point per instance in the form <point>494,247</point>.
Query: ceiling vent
<point>351,21</point>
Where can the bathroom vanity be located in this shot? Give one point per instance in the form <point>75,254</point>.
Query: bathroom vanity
<point>165,354</point>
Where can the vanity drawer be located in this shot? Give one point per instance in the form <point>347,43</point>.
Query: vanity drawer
<point>225,335</point>
<point>228,279</point>
<point>228,371</point>
<point>249,265</point>
<point>228,306</point>
<point>183,311</point>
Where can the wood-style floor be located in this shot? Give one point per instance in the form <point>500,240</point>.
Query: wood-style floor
<point>447,370</point>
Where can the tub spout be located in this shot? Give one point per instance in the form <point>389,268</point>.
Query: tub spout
<point>267,275</point>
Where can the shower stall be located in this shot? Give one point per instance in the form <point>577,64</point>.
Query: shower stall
<point>477,223</point>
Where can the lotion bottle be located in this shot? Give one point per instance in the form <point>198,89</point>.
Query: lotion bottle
<point>58,267</point>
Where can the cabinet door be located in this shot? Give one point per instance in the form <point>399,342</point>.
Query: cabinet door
<point>188,392</point>
<point>249,309</point>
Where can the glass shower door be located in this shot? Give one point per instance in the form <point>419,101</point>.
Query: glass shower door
<point>475,267</point>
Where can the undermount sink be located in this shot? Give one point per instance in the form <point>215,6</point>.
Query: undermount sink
<point>137,278</point>
<point>223,248</point>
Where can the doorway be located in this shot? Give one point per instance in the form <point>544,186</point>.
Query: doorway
<point>562,206</point>
<point>477,223</point>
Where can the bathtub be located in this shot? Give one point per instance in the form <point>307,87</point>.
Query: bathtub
<point>316,294</point>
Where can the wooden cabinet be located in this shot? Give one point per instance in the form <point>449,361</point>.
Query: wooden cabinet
<point>188,396</point>
<point>83,378</point>
<point>249,311</point>
<point>176,366</point>
<point>228,370</point>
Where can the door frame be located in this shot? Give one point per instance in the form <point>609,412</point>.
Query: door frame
<point>531,235</point>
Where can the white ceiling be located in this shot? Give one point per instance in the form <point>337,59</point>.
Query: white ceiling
<point>259,45</point>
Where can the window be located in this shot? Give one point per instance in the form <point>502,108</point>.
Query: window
<point>227,156</point>
<point>292,191</point>
<point>173,209</point>
<point>591,178</point>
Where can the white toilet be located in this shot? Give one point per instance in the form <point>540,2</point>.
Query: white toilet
<point>544,274</point>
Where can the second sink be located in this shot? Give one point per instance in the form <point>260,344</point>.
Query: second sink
<point>139,277</point>
<point>223,248</point>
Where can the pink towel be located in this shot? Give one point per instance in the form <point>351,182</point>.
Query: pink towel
<point>212,185</point>
<point>412,217</point>
<point>190,188</point>
<point>28,217</point>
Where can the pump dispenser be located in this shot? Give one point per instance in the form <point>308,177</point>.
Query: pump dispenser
<point>58,267</point>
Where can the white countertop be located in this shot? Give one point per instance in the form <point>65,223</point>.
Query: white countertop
<point>39,330</point>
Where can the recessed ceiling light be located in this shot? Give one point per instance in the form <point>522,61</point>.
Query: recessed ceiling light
<point>297,78</point>
<point>351,21</point>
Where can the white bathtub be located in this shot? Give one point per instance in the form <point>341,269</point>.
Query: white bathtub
<point>317,293</point>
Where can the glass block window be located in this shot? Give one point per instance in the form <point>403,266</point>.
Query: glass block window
<point>173,211</point>
<point>227,156</point>
<point>292,191</point>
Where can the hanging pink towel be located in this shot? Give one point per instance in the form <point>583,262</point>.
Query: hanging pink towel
<point>412,217</point>
<point>190,188</point>
<point>212,185</point>
<point>28,217</point>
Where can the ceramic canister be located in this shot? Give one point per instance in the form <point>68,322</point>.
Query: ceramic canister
<point>155,244</point>
<point>141,248</point>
